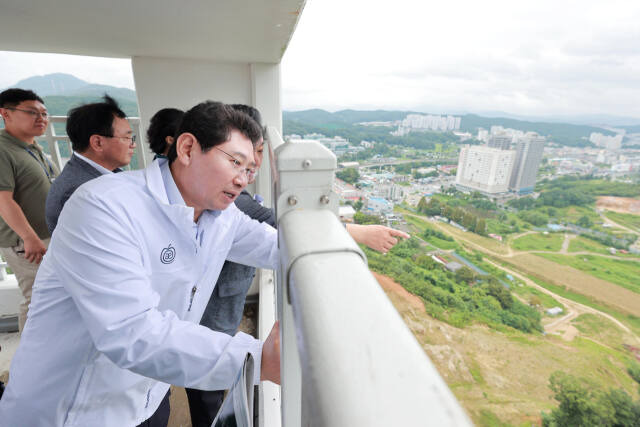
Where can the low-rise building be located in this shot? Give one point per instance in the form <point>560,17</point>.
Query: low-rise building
<point>378,205</point>
<point>346,213</point>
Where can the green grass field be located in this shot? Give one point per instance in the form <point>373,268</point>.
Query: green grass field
<point>630,320</point>
<point>513,224</point>
<point>623,273</point>
<point>539,242</point>
<point>574,213</point>
<point>599,329</point>
<point>422,225</point>
<point>581,244</point>
<point>531,294</point>
<point>627,220</point>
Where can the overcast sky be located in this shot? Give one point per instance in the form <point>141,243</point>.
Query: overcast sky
<point>538,57</point>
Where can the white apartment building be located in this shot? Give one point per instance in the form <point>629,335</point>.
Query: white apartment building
<point>608,142</point>
<point>420,122</point>
<point>500,140</point>
<point>389,191</point>
<point>529,151</point>
<point>484,169</point>
<point>483,135</point>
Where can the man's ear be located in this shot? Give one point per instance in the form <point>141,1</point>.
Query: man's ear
<point>96,144</point>
<point>186,143</point>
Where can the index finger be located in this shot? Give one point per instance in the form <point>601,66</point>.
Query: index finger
<point>398,233</point>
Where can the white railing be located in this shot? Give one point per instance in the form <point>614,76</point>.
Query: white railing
<point>3,269</point>
<point>53,141</point>
<point>347,358</point>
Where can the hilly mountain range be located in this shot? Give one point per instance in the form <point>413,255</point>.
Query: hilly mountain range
<point>346,123</point>
<point>61,92</point>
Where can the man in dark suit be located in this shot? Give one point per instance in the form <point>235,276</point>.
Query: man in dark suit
<point>102,142</point>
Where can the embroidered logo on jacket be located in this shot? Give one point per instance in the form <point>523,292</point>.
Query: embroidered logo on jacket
<point>167,255</point>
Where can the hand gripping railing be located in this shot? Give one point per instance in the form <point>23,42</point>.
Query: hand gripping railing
<point>347,357</point>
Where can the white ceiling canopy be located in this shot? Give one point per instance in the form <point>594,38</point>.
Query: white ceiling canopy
<point>224,30</point>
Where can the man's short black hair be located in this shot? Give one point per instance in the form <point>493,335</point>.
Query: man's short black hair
<point>14,96</point>
<point>92,119</point>
<point>250,111</point>
<point>254,114</point>
<point>212,123</point>
<point>164,123</point>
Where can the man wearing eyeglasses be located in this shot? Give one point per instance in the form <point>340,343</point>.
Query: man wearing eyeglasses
<point>25,177</point>
<point>102,142</point>
<point>132,264</point>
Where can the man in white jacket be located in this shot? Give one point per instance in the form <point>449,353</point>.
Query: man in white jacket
<point>132,263</point>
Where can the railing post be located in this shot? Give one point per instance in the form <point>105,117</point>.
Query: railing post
<point>347,358</point>
<point>140,145</point>
<point>52,142</point>
<point>302,179</point>
<point>3,270</point>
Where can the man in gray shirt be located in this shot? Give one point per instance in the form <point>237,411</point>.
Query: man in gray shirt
<point>102,142</point>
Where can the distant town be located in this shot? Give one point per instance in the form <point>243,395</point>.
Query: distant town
<point>500,163</point>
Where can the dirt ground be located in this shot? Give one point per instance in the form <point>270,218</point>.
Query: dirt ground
<point>390,286</point>
<point>578,281</point>
<point>488,370</point>
<point>619,204</point>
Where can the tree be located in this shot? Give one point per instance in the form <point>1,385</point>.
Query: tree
<point>522,203</point>
<point>532,217</point>
<point>584,222</point>
<point>634,371</point>
<point>468,221</point>
<point>499,292</point>
<point>361,218</point>
<point>350,175</point>
<point>433,207</point>
<point>426,262</point>
<point>534,300</point>
<point>582,404</point>
<point>465,275</point>
<point>422,205</point>
<point>481,227</point>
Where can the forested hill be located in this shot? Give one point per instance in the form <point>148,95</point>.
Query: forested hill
<point>346,122</point>
<point>61,92</point>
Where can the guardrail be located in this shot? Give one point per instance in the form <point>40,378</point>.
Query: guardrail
<point>3,269</point>
<point>347,357</point>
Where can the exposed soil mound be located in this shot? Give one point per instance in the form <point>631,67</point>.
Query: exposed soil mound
<point>619,204</point>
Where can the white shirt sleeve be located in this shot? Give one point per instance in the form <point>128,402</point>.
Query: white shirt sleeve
<point>255,243</point>
<point>98,258</point>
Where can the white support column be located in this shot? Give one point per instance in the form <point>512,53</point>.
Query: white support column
<point>183,83</point>
<point>265,96</point>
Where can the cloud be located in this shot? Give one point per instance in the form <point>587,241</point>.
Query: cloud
<point>17,66</point>
<point>539,57</point>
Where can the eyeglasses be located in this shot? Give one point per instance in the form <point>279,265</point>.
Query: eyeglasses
<point>131,138</point>
<point>32,113</point>
<point>237,165</point>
